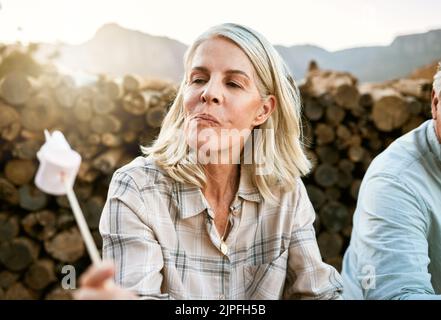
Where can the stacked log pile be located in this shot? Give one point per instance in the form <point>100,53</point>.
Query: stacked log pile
<point>347,125</point>
<point>106,120</point>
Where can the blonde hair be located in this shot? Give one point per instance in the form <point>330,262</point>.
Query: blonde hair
<point>171,151</point>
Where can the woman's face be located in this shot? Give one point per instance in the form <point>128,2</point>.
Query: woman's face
<point>221,98</point>
<point>436,113</point>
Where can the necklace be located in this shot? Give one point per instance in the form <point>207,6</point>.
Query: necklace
<point>225,231</point>
<point>223,245</point>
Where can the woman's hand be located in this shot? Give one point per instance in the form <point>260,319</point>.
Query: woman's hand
<point>97,284</point>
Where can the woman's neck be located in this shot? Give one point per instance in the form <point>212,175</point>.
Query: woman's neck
<point>222,181</point>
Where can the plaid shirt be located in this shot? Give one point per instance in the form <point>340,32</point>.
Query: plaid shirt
<point>161,235</point>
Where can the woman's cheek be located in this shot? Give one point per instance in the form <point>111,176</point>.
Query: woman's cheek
<point>190,99</point>
<point>240,122</point>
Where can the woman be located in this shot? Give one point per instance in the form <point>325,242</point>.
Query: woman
<point>217,209</point>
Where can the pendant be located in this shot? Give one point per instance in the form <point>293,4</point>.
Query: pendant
<point>224,248</point>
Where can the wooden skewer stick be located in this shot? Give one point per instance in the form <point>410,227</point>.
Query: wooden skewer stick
<point>81,221</point>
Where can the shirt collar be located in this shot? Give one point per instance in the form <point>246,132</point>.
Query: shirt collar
<point>247,189</point>
<point>191,200</point>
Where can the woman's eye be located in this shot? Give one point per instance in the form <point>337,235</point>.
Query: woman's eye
<point>198,80</point>
<point>233,84</point>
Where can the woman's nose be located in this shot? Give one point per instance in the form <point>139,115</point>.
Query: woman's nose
<point>212,94</point>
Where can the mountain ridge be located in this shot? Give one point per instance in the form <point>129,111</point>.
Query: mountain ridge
<point>116,51</point>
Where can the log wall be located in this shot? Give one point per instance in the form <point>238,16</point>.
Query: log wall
<point>345,124</point>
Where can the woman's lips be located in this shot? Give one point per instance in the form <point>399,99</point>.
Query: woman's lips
<point>207,118</point>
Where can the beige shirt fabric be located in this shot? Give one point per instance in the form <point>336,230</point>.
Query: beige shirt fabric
<point>161,236</point>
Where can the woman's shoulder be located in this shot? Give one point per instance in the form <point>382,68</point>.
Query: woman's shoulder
<point>144,171</point>
<point>290,195</point>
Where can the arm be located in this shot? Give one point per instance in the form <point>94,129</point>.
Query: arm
<point>133,269</point>
<point>129,242</point>
<point>308,277</point>
<point>392,240</point>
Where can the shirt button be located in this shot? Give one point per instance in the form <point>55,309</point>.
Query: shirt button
<point>224,248</point>
<point>235,212</point>
<point>221,297</point>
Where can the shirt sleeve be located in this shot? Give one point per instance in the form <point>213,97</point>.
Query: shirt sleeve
<point>129,242</point>
<point>391,246</point>
<point>308,277</point>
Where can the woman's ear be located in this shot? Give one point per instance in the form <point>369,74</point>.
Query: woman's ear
<point>265,110</point>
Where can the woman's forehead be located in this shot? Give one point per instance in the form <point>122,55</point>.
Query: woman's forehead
<point>220,53</point>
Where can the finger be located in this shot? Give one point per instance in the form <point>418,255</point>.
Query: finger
<point>96,275</point>
<point>90,294</point>
<point>115,293</point>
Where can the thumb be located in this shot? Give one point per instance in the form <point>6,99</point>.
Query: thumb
<point>97,274</point>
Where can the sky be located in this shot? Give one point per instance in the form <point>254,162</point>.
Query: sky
<point>331,24</point>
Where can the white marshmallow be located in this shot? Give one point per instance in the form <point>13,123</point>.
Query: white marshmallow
<point>57,160</point>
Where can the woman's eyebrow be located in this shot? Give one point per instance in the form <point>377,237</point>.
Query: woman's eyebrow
<point>232,71</point>
<point>200,68</point>
<point>235,71</point>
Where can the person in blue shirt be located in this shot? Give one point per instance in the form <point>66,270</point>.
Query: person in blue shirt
<point>395,248</point>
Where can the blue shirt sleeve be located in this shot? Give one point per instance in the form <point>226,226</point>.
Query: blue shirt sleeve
<point>391,244</point>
